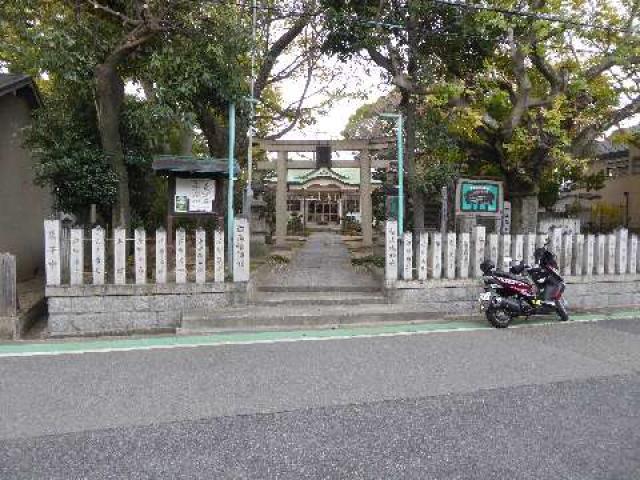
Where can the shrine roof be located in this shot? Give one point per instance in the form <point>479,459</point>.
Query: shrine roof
<point>192,164</point>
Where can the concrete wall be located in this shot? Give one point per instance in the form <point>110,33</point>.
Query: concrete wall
<point>461,296</point>
<point>23,204</point>
<point>122,309</point>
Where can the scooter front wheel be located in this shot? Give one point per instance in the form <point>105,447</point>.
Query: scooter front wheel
<point>498,317</point>
<point>561,309</point>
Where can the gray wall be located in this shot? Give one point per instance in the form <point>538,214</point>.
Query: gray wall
<point>23,204</point>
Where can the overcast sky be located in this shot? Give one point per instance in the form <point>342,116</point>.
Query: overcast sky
<point>331,125</point>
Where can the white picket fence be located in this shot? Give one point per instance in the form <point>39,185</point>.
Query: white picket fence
<point>65,256</point>
<point>452,255</point>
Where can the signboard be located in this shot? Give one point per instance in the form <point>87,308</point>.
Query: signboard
<point>194,195</point>
<point>482,198</point>
<point>506,219</point>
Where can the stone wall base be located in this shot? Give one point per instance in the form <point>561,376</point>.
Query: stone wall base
<point>461,296</point>
<point>123,309</point>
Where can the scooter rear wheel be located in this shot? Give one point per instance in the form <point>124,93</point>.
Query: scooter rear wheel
<point>498,317</point>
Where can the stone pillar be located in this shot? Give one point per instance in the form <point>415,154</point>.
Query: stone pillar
<point>435,255</point>
<point>218,256</point>
<point>140,254</point>
<point>517,247</point>
<point>529,248</point>
<point>201,256</point>
<point>504,260</point>
<point>119,256</point>
<point>181,256</point>
<point>450,256</point>
<point>567,253</point>
<point>161,255</point>
<point>241,250</point>
<point>492,248</point>
<point>53,267</point>
<point>556,241</point>
<point>477,250</point>
<point>632,254</point>
<point>407,251</point>
<point>589,253</point>
<point>97,255</point>
<point>8,297</point>
<point>578,254</point>
<point>391,251</point>
<point>366,215</point>
<point>282,217</point>
<point>76,256</point>
<point>423,251</point>
<point>610,254</point>
<point>599,253</point>
<point>463,253</point>
<point>622,239</point>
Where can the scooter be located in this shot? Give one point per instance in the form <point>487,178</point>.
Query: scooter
<point>524,290</point>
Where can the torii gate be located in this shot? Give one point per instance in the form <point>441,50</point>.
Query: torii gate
<point>282,164</point>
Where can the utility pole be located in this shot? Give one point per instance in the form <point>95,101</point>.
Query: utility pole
<point>400,151</point>
<point>248,197</point>
<point>231,167</point>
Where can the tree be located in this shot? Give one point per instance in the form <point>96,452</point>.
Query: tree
<point>553,86</point>
<point>416,43</point>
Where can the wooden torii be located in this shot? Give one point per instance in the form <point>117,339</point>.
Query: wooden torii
<point>363,161</point>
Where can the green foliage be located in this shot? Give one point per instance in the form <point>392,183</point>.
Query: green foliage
<point>374,260</point>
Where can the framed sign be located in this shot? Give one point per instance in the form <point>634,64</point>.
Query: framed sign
<point>482,198</point>
<point>194,195</point>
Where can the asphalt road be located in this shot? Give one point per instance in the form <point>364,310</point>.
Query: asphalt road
<point>544,402</point>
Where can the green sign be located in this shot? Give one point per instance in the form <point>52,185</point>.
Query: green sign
<point>479,197</point>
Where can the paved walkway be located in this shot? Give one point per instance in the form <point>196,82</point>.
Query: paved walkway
<point>323,262</point>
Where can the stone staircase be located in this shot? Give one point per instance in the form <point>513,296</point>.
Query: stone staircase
<point>319,288</point>
<point>302,308</point>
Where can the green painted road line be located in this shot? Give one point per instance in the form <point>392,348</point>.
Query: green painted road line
<point>61,347</point>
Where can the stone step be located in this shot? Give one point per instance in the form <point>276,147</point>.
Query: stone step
<point>318,298</point>
<point>319,288</point>
<point>310,316</point>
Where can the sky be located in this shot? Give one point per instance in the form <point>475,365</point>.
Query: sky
<point>357,81</point>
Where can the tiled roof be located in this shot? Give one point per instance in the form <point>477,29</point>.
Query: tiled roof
<point>189,164</point>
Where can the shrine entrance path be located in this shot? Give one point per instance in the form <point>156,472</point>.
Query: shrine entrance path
<point>322,264</point>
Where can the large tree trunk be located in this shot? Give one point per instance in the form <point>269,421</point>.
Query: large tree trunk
<point>417,196</point>
<point>214,131</point>
<point>109,99</point>
<point>524,213</point>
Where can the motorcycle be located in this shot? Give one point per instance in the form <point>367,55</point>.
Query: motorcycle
<point>524,290</point>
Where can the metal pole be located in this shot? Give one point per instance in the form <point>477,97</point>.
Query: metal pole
<point>252,102</point>
<point>400,136</point>
<point>231,167</point>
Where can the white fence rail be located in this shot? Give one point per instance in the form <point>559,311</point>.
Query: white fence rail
<point>434,256</point>
<point>121,260</point>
